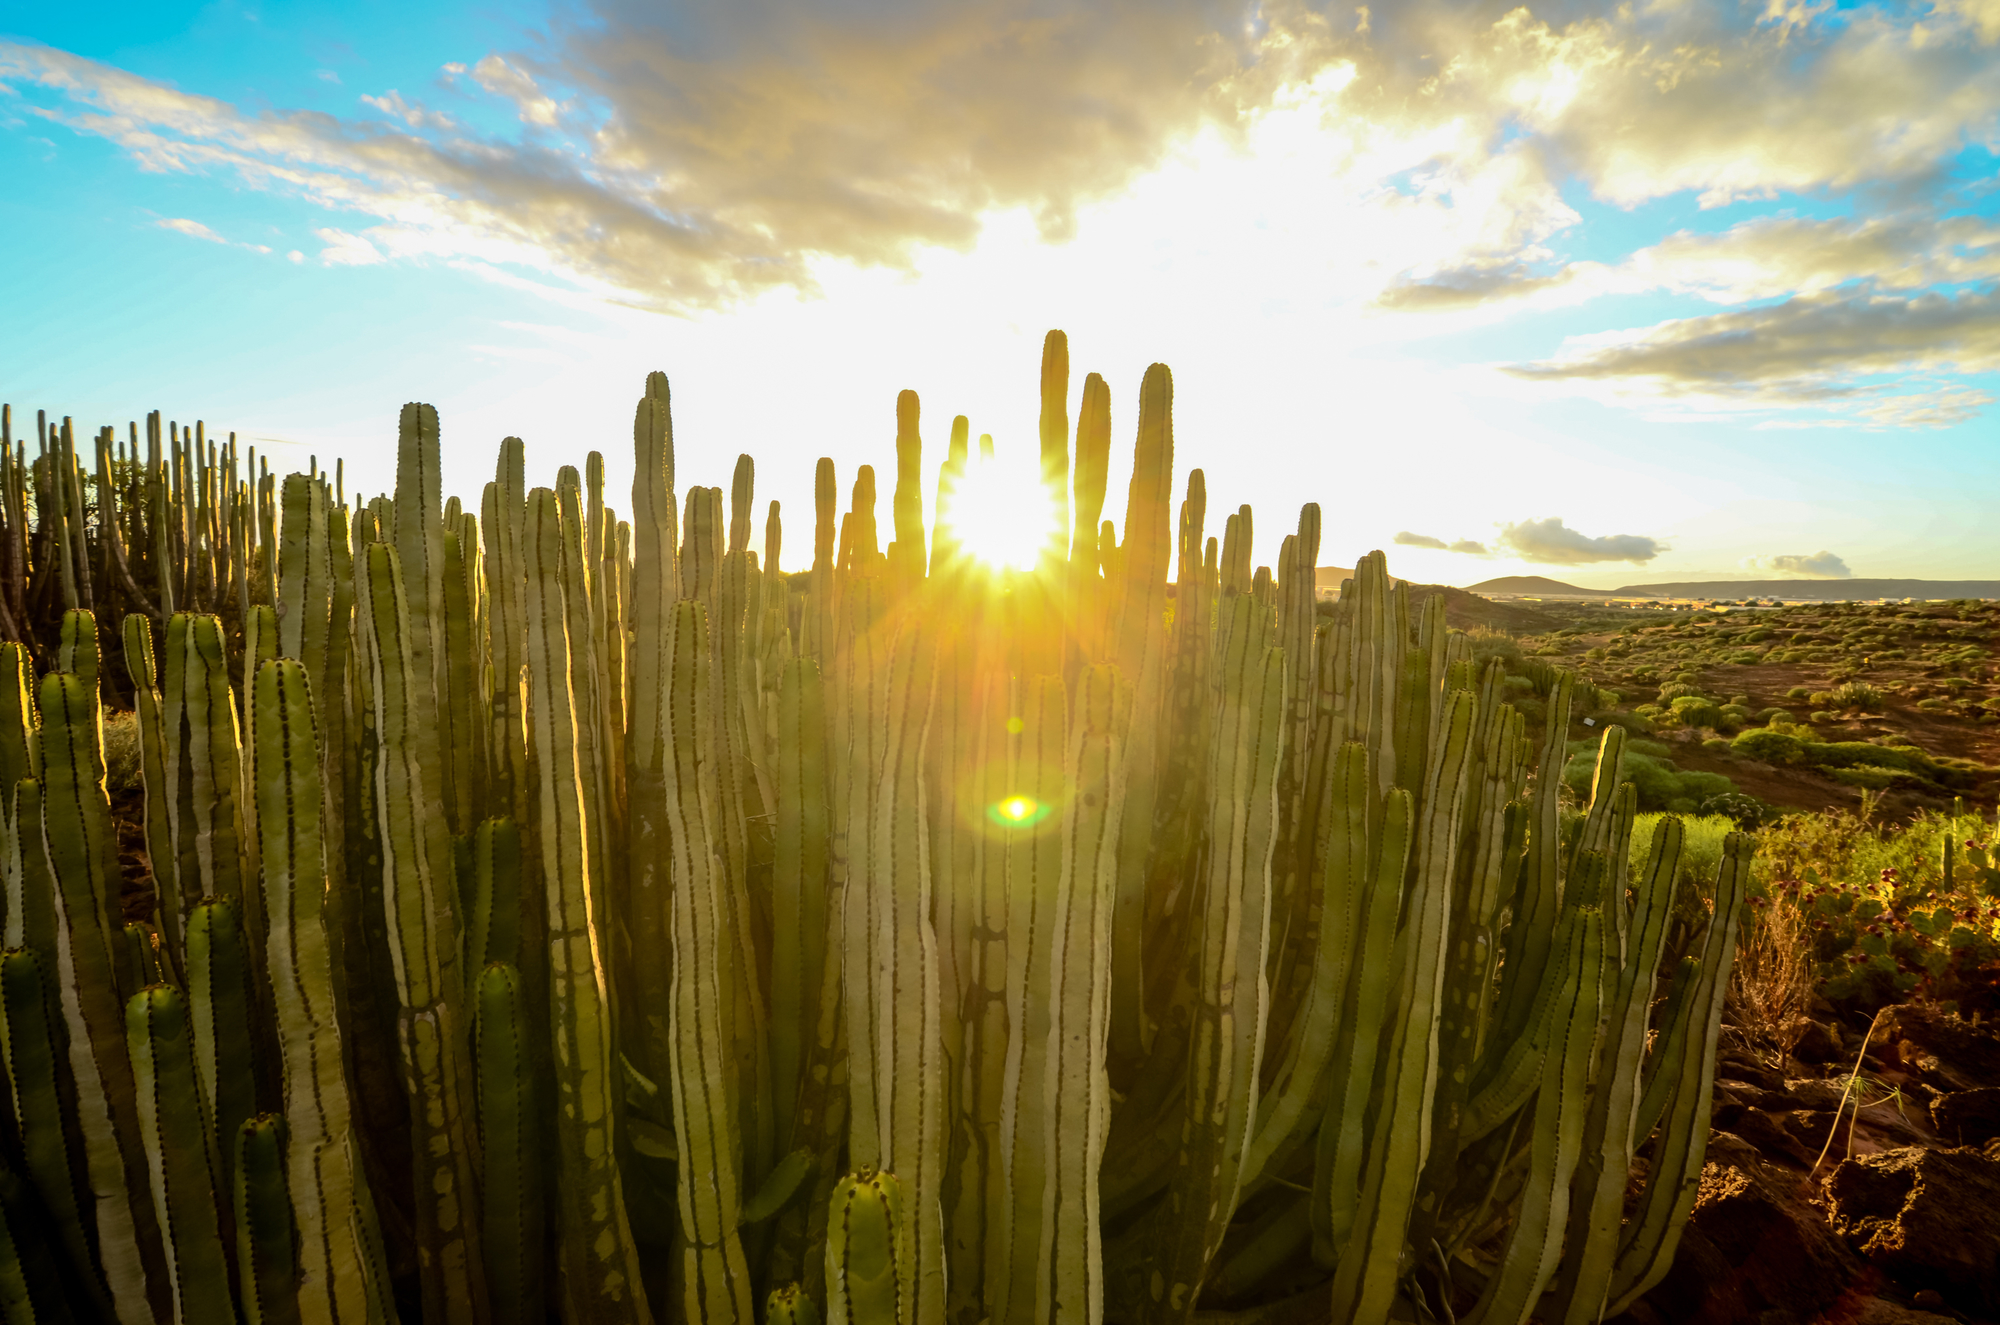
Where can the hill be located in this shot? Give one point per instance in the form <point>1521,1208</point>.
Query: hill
<point>1533,585</point>
<point>1819,591</point>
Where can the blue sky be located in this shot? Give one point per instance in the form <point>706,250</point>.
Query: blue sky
<point>1656,292</point>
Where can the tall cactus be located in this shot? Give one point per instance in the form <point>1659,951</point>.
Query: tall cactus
<point>341,1261</point>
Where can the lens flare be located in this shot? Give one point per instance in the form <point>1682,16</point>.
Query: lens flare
<point>1017,811</point>
<point>1000,513</point>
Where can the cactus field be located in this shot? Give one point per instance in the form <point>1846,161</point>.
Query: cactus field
<point>545,913</point>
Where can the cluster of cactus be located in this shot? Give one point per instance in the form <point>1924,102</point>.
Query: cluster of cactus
<point>556,916</point>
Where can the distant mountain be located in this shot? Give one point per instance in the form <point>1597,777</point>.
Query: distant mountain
<point>1824,591</point>
<point>1534,586</point>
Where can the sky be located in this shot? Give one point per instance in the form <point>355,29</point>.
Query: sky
<point>1614,294</point>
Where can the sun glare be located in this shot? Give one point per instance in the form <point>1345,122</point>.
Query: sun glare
<point>1000,513</point>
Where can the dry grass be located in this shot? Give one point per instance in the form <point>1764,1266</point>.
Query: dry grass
<point>1770,986</point>
<point>122,765</point>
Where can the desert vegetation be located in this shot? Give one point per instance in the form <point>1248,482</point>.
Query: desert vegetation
<point>527,914</point>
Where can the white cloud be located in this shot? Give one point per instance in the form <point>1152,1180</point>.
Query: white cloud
<point>1821,565</point>
<point>1553,543</point>
<point>327,76</point>
<point>413,113</point>
<point>1467,545</point>
<point>345,250</point>
<point>196,230</point>
<point>498,76</point>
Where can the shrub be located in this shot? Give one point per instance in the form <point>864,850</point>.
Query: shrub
<point>123,762</point>
<point>1798,692</point>
<point>1695,711</point>
<point>1660,785</point>
<point>1883,920</point>
<point>1856,695</point>
<point>1772,747</point>
<point>1775,715</point>
<point>1488,644</point>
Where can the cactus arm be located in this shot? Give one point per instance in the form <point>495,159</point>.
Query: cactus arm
<point>1080,967</point>
<point>180,1155</point>
<point>146,705</point>
<point>266,1232</point>
<point>344,1278</point>
<point>1534,1243</point>
<point>1597,1198</point>
<point>1032,857</point>
<point>869,1261</point>
<point>600,1272</point>
<point>218,1009</point>
<point>1344,877</point>
<point>99,1063</point>
<point>509,1133</point>
<point>1649,1239</point>
<point>495,932</point>
<point>715,1276</point>
<point>33,1058</point>
<point>790,1306</point>
<point>903,984</point>
<point>1344,1132</point>
<point>798,879</point>
<point>417,901</point>
<point>1365,1280</point>
<point>1658,1078</point>
<point>31,888</point>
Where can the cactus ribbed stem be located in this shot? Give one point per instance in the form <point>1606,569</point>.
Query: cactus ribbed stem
<point>600,1273</point>
<point>180,1154</point>
<point>340,1258</point>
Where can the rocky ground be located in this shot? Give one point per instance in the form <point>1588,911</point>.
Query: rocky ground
<point>1888,1216</point>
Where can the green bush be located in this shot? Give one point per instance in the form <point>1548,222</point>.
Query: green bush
<point>1798,692</point>
<point>1694,711</point>
<point>1771,747</point>
<point>1660,786</point>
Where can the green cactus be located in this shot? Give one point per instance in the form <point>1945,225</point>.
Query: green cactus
<point>509,1136</point>
<point>180,1154</point>
<point>341,1262</point>
<point>870,1263</point>
<point>266,1259</point>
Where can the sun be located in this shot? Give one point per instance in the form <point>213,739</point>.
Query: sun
<point>999,511</point>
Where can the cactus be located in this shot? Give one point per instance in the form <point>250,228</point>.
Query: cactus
<point>1136,949</point>
<point>180,1153</point>
<point>266,1260</point>
<point>509,1127</point>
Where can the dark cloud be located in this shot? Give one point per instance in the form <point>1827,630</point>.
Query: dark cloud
<point>1553,543</point>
